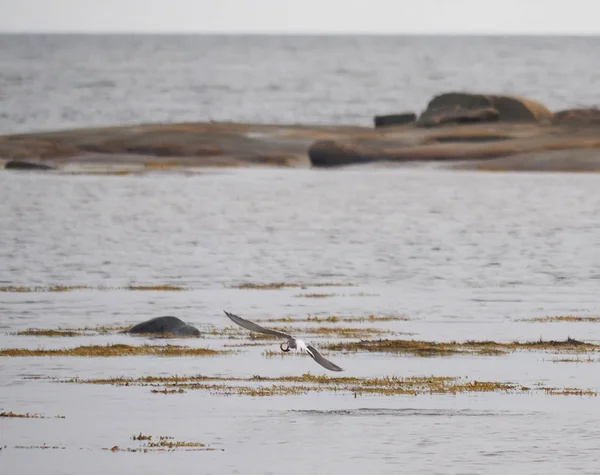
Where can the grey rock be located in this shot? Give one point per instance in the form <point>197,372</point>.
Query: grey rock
<point>162,325</point>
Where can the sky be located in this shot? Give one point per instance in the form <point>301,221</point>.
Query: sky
<point>572,17</point>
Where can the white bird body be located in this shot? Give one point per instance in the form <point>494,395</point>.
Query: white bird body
<point>301,346</point>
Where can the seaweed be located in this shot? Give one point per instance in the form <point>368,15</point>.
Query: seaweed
<point>115,350</point>
<point>259,386</point>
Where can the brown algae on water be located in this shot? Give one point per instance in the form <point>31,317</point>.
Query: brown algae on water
<point>51,332</point>
<point>307,383</point>
<point>562,318</point>
<point>577,359</point>
<point>71,332</point>
<point>100,330</point>
<point>69,288</point>
<point>161,443</point>
<point>27,415</point>
<point>338,332</point>
<point>315,295</point>
<point>433,348</point>
<point>168,288</point>
<point>51,288</point>
<point>338,319</point>
<point>570,392</point>
<point>43,446</point>
<point>281,285</point>
<point>115,350</point>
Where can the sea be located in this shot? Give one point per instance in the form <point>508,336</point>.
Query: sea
<point>52,82</point>
<point>397,253</point>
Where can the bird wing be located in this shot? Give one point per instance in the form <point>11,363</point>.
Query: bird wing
<point>248,325</point>
<point>312,351</point>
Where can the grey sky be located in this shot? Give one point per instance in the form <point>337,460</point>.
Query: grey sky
<point>578,17</point>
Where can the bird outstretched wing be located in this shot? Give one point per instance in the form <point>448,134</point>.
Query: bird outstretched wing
<point>318,357</point>
<point>248,325</point>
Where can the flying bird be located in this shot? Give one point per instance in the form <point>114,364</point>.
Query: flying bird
<point>291,343</point>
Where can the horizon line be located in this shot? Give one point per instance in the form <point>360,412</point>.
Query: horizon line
<point>296,33</point>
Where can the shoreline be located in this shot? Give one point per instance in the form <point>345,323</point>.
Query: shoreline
<point>456,130</point>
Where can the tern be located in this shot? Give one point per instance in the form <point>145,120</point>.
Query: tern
<point>291,343</point>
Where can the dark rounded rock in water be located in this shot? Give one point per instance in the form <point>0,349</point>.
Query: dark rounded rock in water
<point>162,325</point>
<point>24,165</point>
<point>395,119</point>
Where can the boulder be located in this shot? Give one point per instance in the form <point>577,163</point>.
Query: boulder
<point>395,119</point>
<point>164,325</point>
<point>578,116</point>
<point>328,153</point>
<point>458,107</point>
<point>25,165</point>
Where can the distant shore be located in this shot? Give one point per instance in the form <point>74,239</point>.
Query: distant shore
<point>456,130</point>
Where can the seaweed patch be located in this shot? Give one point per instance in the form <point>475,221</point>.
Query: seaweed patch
<point>281,285</point>
<point>70,288</point>
<point>562,318</point>
<point>433,348</point>
<point>114,350</point>
<point>27,415</point>
<point>307,383</point>
<point>161,443</point>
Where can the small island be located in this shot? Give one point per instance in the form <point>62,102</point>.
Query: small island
<point>456,130</point>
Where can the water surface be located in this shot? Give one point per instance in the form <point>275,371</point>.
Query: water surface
<point>463,255</point>
<point>65,81</point>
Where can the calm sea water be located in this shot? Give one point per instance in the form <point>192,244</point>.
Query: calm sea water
<point>465,255</point>
<point>49,82</point>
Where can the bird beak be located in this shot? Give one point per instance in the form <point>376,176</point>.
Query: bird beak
<point>287,347</point>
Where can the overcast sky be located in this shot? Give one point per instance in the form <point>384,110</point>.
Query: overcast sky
<point>579,17</point>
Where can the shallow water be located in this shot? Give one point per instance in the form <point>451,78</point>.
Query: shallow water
<point>463,255</point>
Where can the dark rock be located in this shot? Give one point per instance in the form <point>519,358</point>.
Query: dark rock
<point>395,119</point>
<point>23,165</point>
<point>456,107</point>
<point>328,153</point>
<point>460,116</point>
<point>162,325</point>
<point>578,116</point>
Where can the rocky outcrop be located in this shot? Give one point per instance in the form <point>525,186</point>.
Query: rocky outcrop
<point>455,127</point>
<point>162,326</point>
<point>26,165</point>
<point>469,142</point>
<point>457,107</point>
<point>174,145</point>
<point>578,116</point>
<point>395,119</point>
